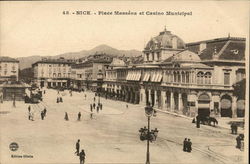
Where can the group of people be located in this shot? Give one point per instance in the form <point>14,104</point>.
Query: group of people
<point>187,145</point>
<point>66,116</point>
<point>81,154</point>
<point>59,99</point>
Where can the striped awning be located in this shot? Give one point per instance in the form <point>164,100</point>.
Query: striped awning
<point>146,77</point>
<point>129,76</point>
<point>203,105</point>
<point>138,76</point>
<point>159,77</point>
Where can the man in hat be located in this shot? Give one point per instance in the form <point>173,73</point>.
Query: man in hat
<point>79,116</point>
<point>82,157</point>
<point>189,146</point>
<point>77,147</point>
<point>185,145</point>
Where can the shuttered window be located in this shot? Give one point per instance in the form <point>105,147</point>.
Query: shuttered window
<point>226,78</point>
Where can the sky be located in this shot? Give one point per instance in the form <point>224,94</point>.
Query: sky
<point>40,28</point>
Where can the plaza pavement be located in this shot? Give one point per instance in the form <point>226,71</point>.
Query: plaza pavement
<point>110,137</point>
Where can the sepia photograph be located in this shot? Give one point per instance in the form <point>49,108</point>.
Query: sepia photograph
<point>124,82</point>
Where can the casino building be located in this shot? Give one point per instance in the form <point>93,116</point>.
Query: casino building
<point>189,79</point>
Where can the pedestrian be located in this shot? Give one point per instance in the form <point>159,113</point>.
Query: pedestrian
<point>79,116</point>
<point>94,105</point>
<point>85,96</point>
<point>100,106</point>
<point>42,115</point>
<point>127,106</point>
<point>44,92</point>
<point>61,100</point>
<point>44,112</point>
<point>29,108</point>
<point>97,109</point>
<point>94,99</point>
<point>238,139</point>
<point>29,116</point>
<point>198,121</point>
<point>185,145</point>
<point>82,157</point>
<point>235,129</point>
<point>66,117</point>
<point>57,100</point>
<point>189,146</point>
<point>91,107</point>
<point>77,147</point>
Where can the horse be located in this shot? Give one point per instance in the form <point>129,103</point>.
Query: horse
<point>212,119</point>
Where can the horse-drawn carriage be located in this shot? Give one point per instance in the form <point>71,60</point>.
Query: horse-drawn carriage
<point>206,120</point>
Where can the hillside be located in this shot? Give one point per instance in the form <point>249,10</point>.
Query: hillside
<point>26,62</point>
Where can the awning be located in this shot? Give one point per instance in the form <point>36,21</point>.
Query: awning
<point>129,76</point>
<point>159,77</point>
<point>146,77</point>
<point>138,76</point>
<point>241,104</point>
<point>154,77</point>
<point>203,106</point>
<point>134,76</point>
<point>225,104</point>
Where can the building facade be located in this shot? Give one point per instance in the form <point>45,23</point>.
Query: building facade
<point>52,72</point>
<point>85,75</point>
<point>8,69</point>
<point>189,79</point>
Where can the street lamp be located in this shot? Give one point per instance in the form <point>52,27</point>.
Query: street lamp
<point>146,134</point>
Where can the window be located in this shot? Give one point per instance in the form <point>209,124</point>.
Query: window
<point>183,77</point>
<point>175,77</point>
<point>147,55</point>
<point>158,56</point>
<point>5,72</point>
<point>200,76</point>
<point>59,74</point>
<point>187,77</point>
<point>179,77</point>
<point>226,78</point>
<point>207,78</point>
<point>13,68</point>
<point>54,74</point>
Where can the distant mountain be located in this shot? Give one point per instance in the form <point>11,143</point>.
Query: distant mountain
<point>26,62</point>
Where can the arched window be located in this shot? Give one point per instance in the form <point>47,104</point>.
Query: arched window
<point>183,77</point>
<point>207,78</point>
<point>187,77</point>
<point>179,77</point>
<point>200,76</point>
<point>175,77</point>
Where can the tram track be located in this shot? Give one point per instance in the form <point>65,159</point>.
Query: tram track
<point>215,156</point>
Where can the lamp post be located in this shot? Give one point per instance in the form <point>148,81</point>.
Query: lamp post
<point>146,134</point>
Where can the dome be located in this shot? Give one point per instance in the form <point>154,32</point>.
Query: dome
<point>165,40</point>
<point>186,56</point>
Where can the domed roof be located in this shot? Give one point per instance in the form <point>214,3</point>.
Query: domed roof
<point>165,40</point>
<point>186,56</point>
